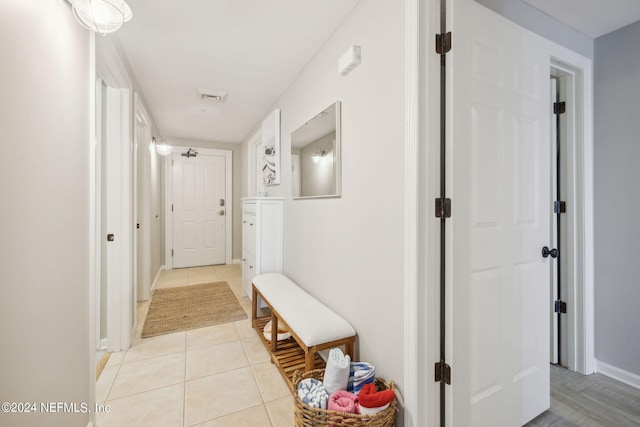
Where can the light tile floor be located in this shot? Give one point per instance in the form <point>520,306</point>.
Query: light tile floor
<point>209,377</point>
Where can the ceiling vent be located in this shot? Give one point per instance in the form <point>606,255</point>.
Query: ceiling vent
<point>211,95</point>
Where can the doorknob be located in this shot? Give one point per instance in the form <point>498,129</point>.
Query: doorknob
<point>221,212</point>
<point>546,252</point>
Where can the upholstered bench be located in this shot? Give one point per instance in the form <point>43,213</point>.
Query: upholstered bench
<point>313,326</point>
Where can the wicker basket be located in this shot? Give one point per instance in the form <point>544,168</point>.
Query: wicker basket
<point>306,416</point>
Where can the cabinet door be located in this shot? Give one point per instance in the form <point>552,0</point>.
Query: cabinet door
<point>248,272</point>
<point>249,233</point>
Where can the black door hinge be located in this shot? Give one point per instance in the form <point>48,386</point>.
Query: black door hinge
<point>172,252</point>
<point>443,208</point>
<point>559,207</point>
<point>443,43</point>
<point>559,107</point>
<point>443,372</point>
<point>560,307</point>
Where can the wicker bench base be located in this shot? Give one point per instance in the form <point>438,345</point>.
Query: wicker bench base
<point>289,357</point>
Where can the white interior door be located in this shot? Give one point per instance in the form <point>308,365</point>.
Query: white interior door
<point>199,209</point>
<point>144,222</point>
<point>500,188</point>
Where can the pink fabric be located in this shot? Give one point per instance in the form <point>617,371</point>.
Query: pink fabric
<point>343,401</point>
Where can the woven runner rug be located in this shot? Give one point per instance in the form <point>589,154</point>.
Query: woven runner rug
<point>190,307</point>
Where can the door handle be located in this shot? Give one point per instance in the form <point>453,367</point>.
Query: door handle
<point>546,252</point>
<point>221,212</point>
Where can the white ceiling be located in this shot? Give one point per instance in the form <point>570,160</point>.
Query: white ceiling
<point>593,18</point>
<point>251,49</point>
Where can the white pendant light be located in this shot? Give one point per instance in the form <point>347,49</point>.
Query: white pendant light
<point>101,16</point>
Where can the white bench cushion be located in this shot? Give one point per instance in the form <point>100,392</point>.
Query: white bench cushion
<point>312,321</point>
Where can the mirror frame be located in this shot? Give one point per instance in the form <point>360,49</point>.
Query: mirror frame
<point>337,154</point>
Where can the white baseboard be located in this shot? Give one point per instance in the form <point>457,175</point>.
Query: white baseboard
<point>621,375</point>
<point>155,281</point>
<point>236,261</point>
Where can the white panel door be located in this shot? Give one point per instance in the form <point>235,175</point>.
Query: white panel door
<point>199,209</point>
<point>500,187</point>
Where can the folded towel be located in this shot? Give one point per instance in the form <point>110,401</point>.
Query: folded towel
<point>336,374</point>
<point>360,373</point>
<point>343,401</point>
<point>283,334</point>
<point>372,401</point>
<point>372,411</point>
<point>312,392</point>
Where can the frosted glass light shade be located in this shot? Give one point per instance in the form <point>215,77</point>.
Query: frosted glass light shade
<point>101,16</point>
<point>163,149</point>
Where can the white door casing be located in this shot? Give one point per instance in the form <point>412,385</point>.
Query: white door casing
<point>196,231</point>
<point>499,171</point>
<point>118,153</point>
<point>117,217</point>
<point>554,226</point>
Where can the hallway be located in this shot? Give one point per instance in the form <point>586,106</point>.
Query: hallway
<point>214,376</point>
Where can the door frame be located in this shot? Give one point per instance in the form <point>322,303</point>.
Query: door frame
<point>580,165</point>
<point>121,306</point>
<point>168,185</point>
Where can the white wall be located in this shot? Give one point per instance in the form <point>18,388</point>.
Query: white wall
<point>45,81</point>
<point>540,23</point>
<point>617,230</point>
<point>348,251</point>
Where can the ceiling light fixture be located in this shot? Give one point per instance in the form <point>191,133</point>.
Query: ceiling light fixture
<point>101,16</point>
<point>318,155</point>
<point>162,148</point>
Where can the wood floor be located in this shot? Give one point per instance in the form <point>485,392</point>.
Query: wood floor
<point>589,401</point>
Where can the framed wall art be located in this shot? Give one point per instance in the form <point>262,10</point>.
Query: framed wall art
<point>270,161</point>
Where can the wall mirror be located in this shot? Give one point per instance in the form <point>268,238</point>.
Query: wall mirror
<point>315,156</point>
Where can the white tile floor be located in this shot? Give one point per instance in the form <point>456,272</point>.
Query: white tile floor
<point>208,377</point>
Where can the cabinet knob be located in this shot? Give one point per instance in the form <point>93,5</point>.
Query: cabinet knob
<point>251,267</point>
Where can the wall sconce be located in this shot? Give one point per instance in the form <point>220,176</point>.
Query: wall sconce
<point>162,148</point>
<point>101,16</point>
<point>318,155</point>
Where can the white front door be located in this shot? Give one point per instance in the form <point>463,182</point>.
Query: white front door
<point>499,183</point>
<point>199,209</point>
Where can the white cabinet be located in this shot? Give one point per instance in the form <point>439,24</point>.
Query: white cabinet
<point>261,238</point>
